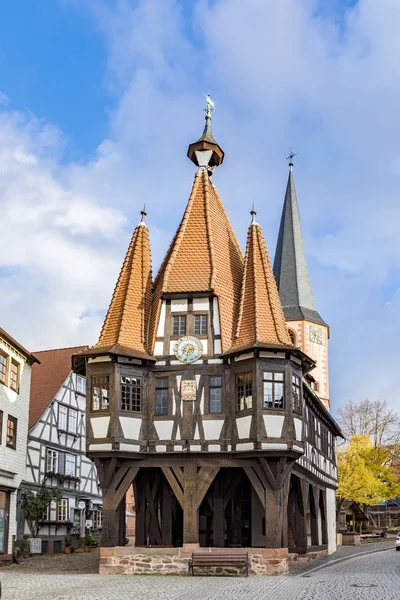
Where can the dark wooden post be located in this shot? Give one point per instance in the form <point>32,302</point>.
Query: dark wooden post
<point>276,535</point>
<point>190,511</point>
<point>218,515</point>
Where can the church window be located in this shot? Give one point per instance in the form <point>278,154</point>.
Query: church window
<point>273,385</point>
<point>200,324</point>
<point>161,396</point>
<point>244,391</point>
<point>11,441</point>
<point>62,510</point>
<point>215,394</point>
<point>296,393</point>
<point>51,461</point>
<point>70,464</point>
<point>179,325</point>
<point>3,367</point>
<point>292,336</point>
<point>81,384</point>
<point>131,393</point>
<point>100,390</point>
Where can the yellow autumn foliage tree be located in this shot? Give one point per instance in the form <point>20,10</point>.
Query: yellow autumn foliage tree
<point>365,473</point>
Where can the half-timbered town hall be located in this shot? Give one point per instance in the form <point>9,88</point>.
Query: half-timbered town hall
<point>208,389</point>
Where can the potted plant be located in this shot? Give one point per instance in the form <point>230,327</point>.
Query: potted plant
<point>67,545</point>
<point>89,539</point>
<point>33,505</point>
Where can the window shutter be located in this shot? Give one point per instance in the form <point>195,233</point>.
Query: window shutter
<point>61,463</point>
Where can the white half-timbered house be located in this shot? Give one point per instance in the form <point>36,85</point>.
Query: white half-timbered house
<point>15,380</point>
<point>56,451</point>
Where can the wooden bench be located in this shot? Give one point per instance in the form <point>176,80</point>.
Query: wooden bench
<point>219,559</point>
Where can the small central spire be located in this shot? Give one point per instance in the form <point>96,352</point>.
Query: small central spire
<point>206,153</point>
<point>143,213</point>
<point>253,214</point>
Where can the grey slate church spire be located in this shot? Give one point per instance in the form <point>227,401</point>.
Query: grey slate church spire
<point>290,264</point>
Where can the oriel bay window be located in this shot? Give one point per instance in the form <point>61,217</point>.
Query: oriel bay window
<point>273,390</point>
<point>244,391</point>
<point>131,393</point>
<point>200,324</point>
<point>162,396</point>
<point>215,388</point>
<point>296,393</point>
<point>179,325</point>
<point>100,392</point>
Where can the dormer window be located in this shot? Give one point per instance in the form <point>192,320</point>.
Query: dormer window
<point>179,325</point>
<point>200,324</point>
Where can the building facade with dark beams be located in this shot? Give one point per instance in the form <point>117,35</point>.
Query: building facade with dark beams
<point>201,394</point>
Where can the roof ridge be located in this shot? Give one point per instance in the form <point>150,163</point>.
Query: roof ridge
<point>56,349</point>
<point>207,195</point>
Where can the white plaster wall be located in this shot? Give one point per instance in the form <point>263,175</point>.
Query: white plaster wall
<point>243,425</point>
<point>100,426</point>
<point>217,329</point>
<point>161,322</point>
<point>212,429</point>
<point>164,429</point>
<point>201,304</point>
<point>130,427</point>
<point>273,425</point>
<point>14,461</point>
<point>179,305</point>
<point>331,519</point>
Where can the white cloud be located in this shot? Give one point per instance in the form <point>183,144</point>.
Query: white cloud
<point>282,74</point>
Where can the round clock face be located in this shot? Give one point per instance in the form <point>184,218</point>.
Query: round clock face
<point>188,349</point>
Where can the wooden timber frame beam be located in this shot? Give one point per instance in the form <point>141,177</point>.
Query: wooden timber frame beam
<point>115,481</point>
<point>190,486</point>
<point>271,481</point>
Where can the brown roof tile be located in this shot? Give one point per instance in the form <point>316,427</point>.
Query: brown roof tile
<point>128,314</point>
<point>48,377</point>
<point>260,319</point>
<point>204,256</point>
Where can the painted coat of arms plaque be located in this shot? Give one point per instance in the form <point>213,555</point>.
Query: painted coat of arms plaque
<point>188,390</point>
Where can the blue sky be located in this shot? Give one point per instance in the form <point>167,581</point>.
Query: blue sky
<point>98,102</point>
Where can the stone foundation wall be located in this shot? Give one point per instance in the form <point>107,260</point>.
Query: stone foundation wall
<point>130,560</point>
<point>307,557</point>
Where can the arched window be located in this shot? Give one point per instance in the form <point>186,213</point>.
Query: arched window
<point>292,336</point>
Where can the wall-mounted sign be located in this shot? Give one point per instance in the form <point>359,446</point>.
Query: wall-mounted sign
<point>81,505</point>
<point>188,390</point>
<point>35,545</point>
<point>89,523</point>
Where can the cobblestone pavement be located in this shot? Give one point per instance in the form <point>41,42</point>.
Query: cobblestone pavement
<point>75,563</point>
<point>342,552</point>
<point>380,570</point>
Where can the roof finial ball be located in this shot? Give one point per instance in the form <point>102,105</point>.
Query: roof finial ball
<point>290,158</point>
<point>206,153</point>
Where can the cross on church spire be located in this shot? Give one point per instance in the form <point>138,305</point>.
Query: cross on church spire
<point>290,158</point>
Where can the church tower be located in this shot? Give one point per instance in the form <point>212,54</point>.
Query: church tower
<point>307,329</point>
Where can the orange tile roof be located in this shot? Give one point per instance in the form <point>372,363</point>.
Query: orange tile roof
<point>261,321</point>
<point>48,377</point>
<point>127,318</point>
<point>204,256</point>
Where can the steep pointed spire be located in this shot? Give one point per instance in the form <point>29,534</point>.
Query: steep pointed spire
<point>126,322</point>
<point>290,264</point>
<point>204,256</point>
<point>261,322</point>
<point>206,153</point>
